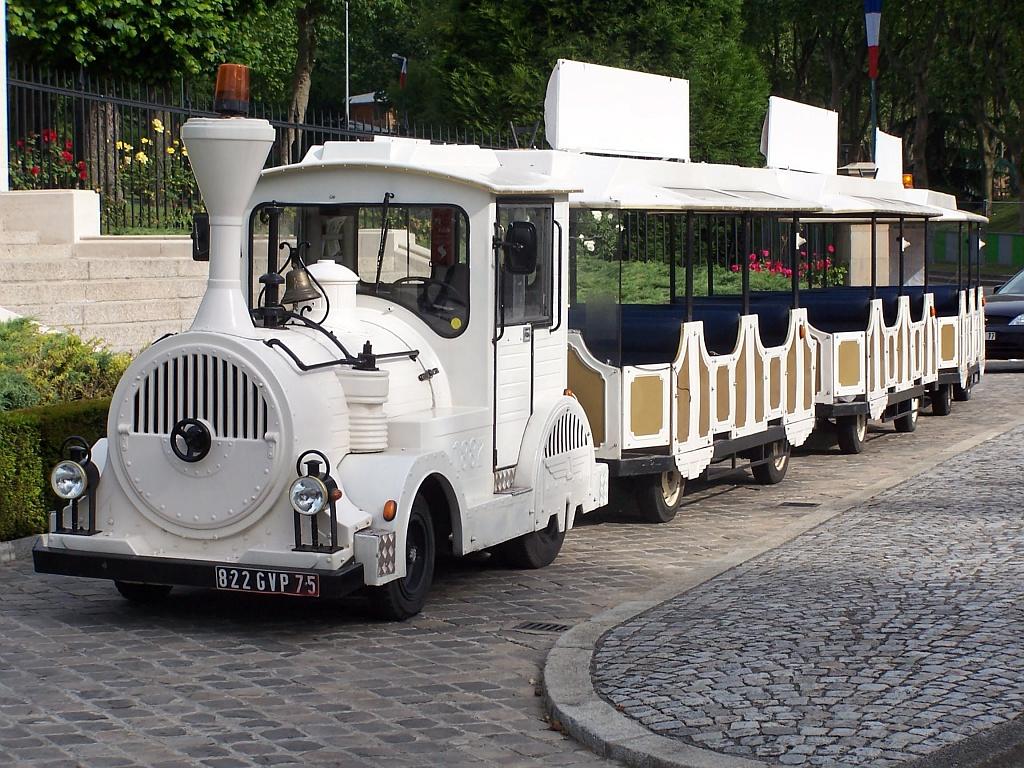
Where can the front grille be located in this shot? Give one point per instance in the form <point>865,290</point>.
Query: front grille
<point>200,386</point>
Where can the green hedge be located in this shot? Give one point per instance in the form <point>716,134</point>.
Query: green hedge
<point>30,441</point>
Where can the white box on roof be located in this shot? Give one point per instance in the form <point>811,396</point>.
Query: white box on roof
<point>799,137</point>
<point>888,157</point>
<point>590,108</point>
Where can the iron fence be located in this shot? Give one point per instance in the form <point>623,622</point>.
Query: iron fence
<point>121,139</point>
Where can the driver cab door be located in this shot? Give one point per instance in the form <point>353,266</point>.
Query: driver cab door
<point>523,255</point>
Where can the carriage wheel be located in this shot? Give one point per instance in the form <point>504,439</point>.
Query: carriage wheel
<point>659,496</point>
<point>941,398</point>
<point>962,394</point>
<point>908,421</point>
<point>774,468</point>
<point>852,431</point>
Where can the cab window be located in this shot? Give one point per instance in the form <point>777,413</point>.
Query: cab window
<point>527,298</point>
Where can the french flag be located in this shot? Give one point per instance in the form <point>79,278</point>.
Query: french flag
<point>873,21</point>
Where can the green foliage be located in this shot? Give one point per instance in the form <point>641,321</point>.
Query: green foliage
<point>54,367</point>
<point>30,443</point>
<point>157,41</point>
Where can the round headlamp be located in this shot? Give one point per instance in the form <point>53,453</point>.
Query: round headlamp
<point>68,480</point>
<point>308,495</point>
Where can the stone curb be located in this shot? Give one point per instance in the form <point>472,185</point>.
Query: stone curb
<point>17,549</point>
<point>572,702</point>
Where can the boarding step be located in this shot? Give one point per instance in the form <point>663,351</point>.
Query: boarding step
<point>513,491</point>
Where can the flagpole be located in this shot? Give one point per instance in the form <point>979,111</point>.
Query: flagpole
<point>873,25</point>
<point>874,121</point>
<point>348,98</point>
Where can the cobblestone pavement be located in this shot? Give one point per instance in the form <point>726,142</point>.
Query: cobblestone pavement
<point>213,680</point>
<point>881,636</point>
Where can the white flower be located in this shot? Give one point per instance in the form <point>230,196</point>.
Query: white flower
<point>589,245</point>
<point>597,216</point>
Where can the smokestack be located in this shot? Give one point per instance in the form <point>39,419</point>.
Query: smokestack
<point>227,156</point>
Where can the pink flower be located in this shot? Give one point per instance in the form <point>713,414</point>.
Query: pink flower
<point>830,248</point>
<point>756,266</point>
<point>765,253</point>
<point>819,265</point>
<point>735,267</point>
<point>787,272</point>
<point>803,254</point>
<point>753,257</point>
<point>828,263</point>
<point>779,266</point>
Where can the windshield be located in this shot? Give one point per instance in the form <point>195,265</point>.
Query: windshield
<point>423,265</point>
<point>1014,285</point>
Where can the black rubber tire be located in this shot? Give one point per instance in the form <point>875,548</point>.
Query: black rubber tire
<point>143,594</point>
<point>533,550</point>
<point>942,400</point>
<point>405,597</point>
<point>852,431</point>
<point>774,470</point>
<point>962,394</point>
<point>659,496</point>
<point>908,421</point>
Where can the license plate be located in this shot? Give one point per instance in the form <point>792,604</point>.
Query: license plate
<point>990,335</point>
<point>267,582</point>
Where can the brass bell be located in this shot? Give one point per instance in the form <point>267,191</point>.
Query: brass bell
<point>298,288</point>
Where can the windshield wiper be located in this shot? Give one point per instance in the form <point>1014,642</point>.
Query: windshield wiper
<point>383,242</point>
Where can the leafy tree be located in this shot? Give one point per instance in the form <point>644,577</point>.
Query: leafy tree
<point>136,38</point>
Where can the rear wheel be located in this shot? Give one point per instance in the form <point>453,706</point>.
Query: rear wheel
<point>143,594</point>
<point>852,431</point>
<point>942,397</point>
<point>773,469</point>
<point>534,550</point>
<point>659,496</point>
<point>962,394</point>
<point>405,597</point>
<point>908,421</point>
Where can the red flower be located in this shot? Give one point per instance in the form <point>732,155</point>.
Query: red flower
<point>756,266</point>
<point>68,144</point>
<point>83,175</point>
<point>828,263</point>
<point>830,248</point>
<point>34,170</point>
<point>81,165</point>
<point>49,135</point>
<point>819,265</point>
<point>735,267</point>
<point>66,156</point>
<point>787,272</point>
<point>765,253</point>
<point>753,257</point>
<point>779,266</point>
<point>20,143</point>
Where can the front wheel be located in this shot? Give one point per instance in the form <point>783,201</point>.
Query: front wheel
<point>659,496</point>
<point>852,431</point>
<point>773,469</point>
<point>908,421</point>
<point>533,550</point>
<point>399,599</point>
<point>941,398</point>
<point>143,594</point>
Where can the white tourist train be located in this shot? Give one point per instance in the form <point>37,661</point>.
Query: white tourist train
<point>407,349</point>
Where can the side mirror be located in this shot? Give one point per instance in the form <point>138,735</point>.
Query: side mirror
<point>520,247</point>
<point>200,237</point>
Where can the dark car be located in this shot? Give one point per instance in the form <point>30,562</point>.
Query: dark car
<point>1004,320</point>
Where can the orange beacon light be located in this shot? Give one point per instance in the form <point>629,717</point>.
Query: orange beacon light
<point>231,94</point>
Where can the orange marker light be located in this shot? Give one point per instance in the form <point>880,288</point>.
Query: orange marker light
<point>568,392</point>
<point>231,94</point>
<point>390,510</point>
<point>908,181</point>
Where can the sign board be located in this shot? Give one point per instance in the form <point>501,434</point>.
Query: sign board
<point>800,137</point>
<point>889,157</point>
<point>603,110</point>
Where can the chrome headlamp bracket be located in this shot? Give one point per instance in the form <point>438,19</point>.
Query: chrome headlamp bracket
<point>77,449</point>
<point>312,460</point>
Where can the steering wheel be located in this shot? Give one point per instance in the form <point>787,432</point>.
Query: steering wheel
<point>445,290</point>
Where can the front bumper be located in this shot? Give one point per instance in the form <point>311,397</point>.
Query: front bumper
<point>173,571</point>
<point>1008,343</point>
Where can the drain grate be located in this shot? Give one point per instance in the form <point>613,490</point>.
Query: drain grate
<point>541,626</point>
<point>800,504</point>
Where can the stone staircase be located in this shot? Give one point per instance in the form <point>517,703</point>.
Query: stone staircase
<point>126,291</point>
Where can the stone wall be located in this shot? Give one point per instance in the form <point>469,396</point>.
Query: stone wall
<point>56,268</point>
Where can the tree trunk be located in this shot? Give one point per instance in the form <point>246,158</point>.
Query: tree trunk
<point>920,147</point>
<point>103,161</point>
<point>987,145</point>
<point>302,78</point>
